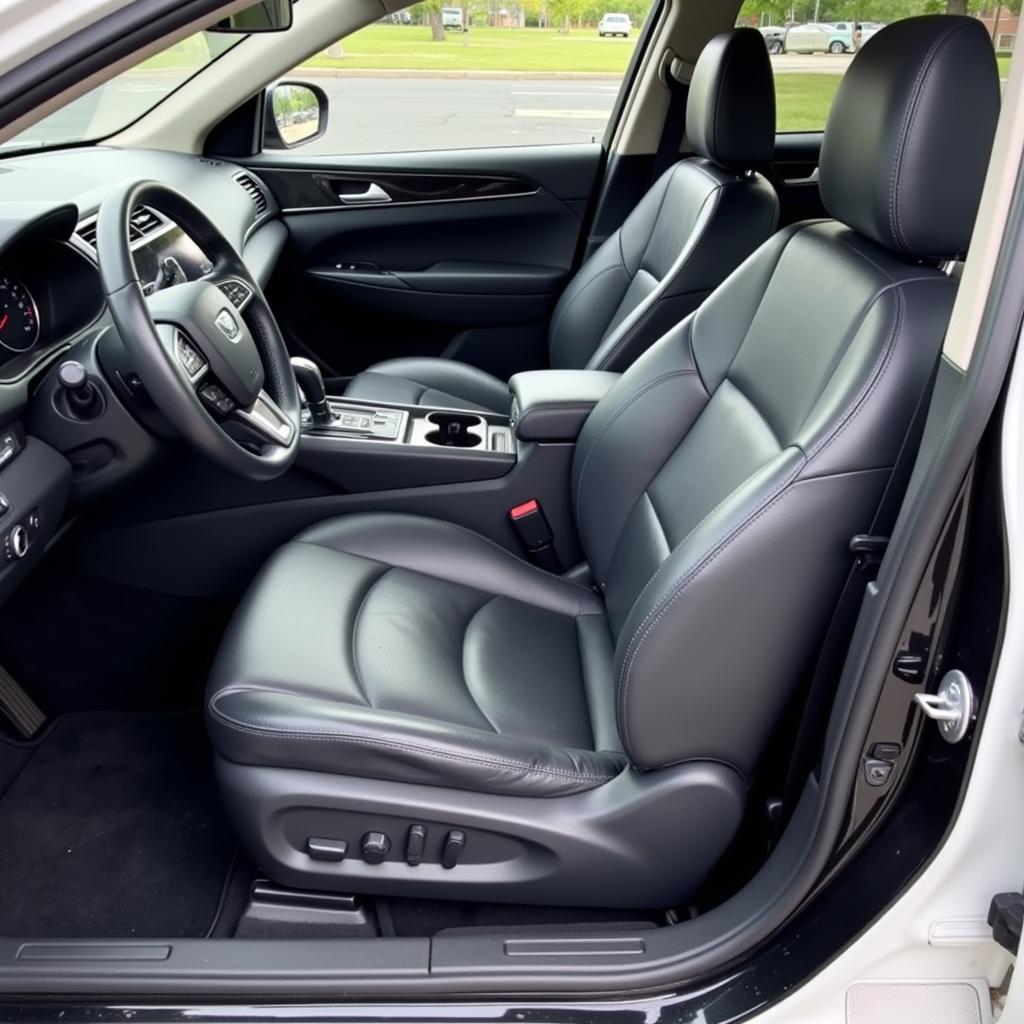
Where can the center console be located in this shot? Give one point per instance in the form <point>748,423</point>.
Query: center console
<point>379,447</point>
<point>431,428</point>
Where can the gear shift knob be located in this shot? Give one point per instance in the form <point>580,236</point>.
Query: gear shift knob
<point>311,381</point>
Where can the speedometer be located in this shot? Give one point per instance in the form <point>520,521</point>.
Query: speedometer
<point>19,318</point>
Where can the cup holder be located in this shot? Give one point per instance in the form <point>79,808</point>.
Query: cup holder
<point>453,430</point>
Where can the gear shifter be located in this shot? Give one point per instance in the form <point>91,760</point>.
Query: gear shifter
<point>311,381</point>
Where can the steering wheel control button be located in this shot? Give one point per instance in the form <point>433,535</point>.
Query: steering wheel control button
<point>216,397</point>
<point>238,293</point>
<point>415,844</point>
<point>454,845</point>
<point>192,362</point>
<point>375,847</point>
<point>327,849</point>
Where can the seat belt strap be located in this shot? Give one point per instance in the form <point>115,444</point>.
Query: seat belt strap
<point>675,117</point>
<point>868,550</point>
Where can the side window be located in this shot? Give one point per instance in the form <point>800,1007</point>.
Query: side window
<point>812,44</point>
<point>440,76</point>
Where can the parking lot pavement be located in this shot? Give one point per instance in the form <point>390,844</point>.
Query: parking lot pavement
<point>381,115</point>
<point>817,63</point>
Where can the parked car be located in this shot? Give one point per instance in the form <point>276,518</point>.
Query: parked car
<point>775,38</point>
<point>814,37</point>
<point>845,37</point>
<point>451,18</point>
<point>615,25</point>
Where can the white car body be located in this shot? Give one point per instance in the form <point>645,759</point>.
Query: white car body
<point>615,25</point>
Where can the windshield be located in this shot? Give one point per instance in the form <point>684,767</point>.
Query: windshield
<point>116,104</point>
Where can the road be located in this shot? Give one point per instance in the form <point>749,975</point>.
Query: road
<point>384,115</point>
<point>381,113</point>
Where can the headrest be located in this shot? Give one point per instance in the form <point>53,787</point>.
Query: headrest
<point>910,133</point>
<point>730,108</point>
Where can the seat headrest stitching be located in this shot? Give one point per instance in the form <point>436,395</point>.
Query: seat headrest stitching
<point>906,129</point>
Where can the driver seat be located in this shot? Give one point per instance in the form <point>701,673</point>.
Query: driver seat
<point>401,706</point>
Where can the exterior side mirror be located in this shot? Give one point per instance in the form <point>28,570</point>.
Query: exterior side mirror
<point>296,113</point>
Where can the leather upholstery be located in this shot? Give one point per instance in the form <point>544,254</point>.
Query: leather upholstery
<point>694,226</point>
<point>715,487</point>
<point>394,647</point>
<point>730,109</point>
<point>553,405</point>
<point>903,98</point>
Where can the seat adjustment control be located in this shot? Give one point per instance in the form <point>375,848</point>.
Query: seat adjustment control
<point>415,843</point>
<point>454,844</point>
<point>327,849</point>
<point>375,847</point>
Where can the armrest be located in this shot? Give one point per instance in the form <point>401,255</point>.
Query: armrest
<point>552,405</point>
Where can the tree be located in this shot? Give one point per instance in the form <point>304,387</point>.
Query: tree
<point>564,12</point>
<point>431,10</point>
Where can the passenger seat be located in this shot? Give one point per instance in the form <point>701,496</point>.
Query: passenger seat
<point>694,226</point>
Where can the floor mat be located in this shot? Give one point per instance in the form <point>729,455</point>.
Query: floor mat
<point>114,829</point>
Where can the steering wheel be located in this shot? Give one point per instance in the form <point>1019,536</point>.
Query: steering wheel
<point>209,352</point>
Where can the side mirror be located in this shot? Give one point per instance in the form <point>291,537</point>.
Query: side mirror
<point>296,113</point>
<point>266,16</point>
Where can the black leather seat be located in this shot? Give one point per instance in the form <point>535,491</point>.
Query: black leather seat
<point>596,745</point>
<point>695,225</point>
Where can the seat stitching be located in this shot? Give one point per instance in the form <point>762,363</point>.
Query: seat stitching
<point>644,308</point>
<point>333,735</point>
<point>355,630</point>
<point>462,664</point>
<point>878,372</point>
<point>639,393</point>
<point>691,532</point>
<point>633,650</point>
<point>637,641</point>
<point>909,117</point>
<point>572,300</point>
<point>478,536</point>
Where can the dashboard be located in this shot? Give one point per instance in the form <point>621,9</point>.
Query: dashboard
<point>48,292</point>
<point>53,310</point>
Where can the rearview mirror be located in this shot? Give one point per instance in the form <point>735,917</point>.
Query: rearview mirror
<point>295,113</point>
<point>266,16</point>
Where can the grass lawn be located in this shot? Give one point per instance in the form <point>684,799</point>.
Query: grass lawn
<point>409,47</point>
<point>803,100</point>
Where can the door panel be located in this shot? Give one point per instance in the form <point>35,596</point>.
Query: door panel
<point>460,253</point>
<point>794,173</point>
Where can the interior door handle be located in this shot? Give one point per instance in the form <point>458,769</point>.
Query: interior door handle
<point>373,194</point>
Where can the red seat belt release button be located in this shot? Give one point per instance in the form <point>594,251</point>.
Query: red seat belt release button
<point>534,529</point>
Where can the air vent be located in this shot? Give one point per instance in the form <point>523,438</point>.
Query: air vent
<point>144,221</point>
<point>255,190</point>
<point>86,231</point>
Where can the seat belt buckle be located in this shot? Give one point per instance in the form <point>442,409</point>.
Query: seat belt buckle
<point>535,533</point>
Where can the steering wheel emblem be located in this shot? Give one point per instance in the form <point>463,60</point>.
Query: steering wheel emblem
<point>228,325</point>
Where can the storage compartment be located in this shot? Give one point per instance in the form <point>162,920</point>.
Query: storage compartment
<point>455,430</point>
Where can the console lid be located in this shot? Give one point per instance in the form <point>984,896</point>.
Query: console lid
<point>552,405</point>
